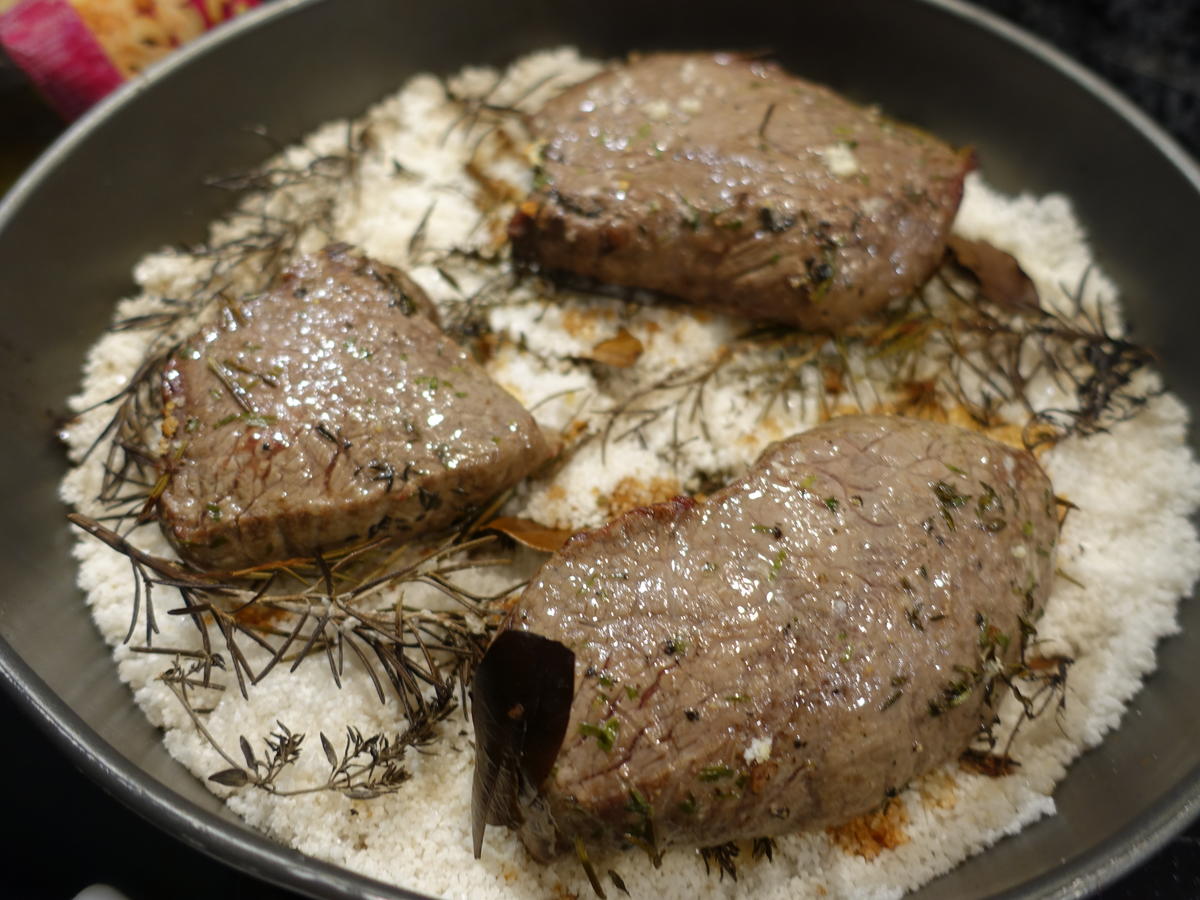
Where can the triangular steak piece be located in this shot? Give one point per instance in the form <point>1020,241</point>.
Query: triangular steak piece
<point>729,183</point>
<point>327,410</point>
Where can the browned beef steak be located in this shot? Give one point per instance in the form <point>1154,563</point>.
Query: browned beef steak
<point>789,652</point>
<point>330,409</point>
<point>731,184</point>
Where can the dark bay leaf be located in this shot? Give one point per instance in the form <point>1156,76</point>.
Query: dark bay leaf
<point>1001,279</point>
<point>520,703</point>
<point>530,533</point>
<point>621,351</point>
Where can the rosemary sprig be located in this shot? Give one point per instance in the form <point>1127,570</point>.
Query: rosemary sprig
<point>337,607</point>
<point>944,352</point>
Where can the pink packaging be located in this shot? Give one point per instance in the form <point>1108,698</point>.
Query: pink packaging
<point>76,51</point>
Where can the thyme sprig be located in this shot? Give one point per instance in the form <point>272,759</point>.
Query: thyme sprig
<point>366,766</point>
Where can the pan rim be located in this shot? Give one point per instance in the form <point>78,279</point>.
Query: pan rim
<point>262,857</point>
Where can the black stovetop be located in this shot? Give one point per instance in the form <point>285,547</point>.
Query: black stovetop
<point>67,833</point>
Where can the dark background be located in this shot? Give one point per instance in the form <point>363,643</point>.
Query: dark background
<point>66,833</point>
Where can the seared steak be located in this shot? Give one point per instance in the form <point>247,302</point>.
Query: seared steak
<point>327,410</point>
<point>795,649</point>
<point>729,183</point>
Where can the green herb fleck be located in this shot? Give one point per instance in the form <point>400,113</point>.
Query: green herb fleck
<point>991,637</point>
<point>638,804</point>
<point>777,564</point>
<point>948,496</point>
<point>252,419</point>
<point>604,733</point>
<point>356,351</point>
<point>950,499</point>
<point>430,382</point>
<point>990,508</point>
<point>954,694</point>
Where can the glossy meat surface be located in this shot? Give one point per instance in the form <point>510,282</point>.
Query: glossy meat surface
<point>731,184</point>
<point>328,410</point>
<point>791,651</point>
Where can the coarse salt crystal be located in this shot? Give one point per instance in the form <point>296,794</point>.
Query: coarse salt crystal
<point>759,751</point>
<point>656,110</point>
<point>840,160</point>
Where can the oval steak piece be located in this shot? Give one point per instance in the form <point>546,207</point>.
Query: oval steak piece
<point>327,410</point>
<point>729,183</point>
<point>792,651</point>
